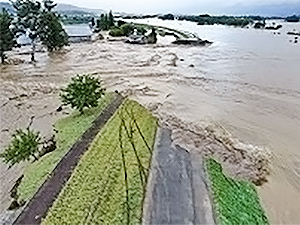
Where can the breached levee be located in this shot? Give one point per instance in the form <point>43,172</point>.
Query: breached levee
<point>215,83</point>
<point>240,160</point>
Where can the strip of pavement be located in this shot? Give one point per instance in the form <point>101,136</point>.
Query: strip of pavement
<point>38,206</point>
<point>176,190</point>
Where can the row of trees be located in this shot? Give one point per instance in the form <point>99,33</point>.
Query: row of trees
<point>125,29</point>
<point>116,29</point>
<point>206,19</point>
<point>105,22</point>
<point>37,21</point>
<point>7,37</point>
<point>224,20</point>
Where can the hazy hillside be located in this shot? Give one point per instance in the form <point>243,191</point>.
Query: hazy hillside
<point>69,7</point>
<point>61,8</point>
<point>6,6</point>
<point>281,9</point>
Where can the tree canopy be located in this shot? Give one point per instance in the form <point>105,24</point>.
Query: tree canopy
<point>51,32</point>
<point>106,21</point>
<point>23,146</point>
<point>39,22</point>
<point>7,37</point>
<point>27,20</point>
<point>84,91</point>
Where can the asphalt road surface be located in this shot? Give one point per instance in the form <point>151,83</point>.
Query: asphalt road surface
<point>177,192</point>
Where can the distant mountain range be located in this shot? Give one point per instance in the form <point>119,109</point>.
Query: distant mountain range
<point>69,7</point>
<point>282,9</point>
<point>60,8</point>
<point>7,6</point>
<point>279,9</point>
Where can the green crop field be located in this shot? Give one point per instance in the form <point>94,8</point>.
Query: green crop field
<point>70,130</point>
<point>235,202</point>
<point>108,185</point>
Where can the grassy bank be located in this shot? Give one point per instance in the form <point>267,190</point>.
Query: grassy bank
<point>235,202</point>
<point>69,131</point>
<point>107,186</point>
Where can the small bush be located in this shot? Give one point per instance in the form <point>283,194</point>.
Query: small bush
<point>120,23</point>
<point>23,146</point>
<point>14,205</point>
<point>141,29</point>
<point>14,191</point>
<point>84,91</point>
<point>116,32</point>
<point>127,29</point>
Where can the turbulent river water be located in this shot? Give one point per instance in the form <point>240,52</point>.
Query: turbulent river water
<point>238,99</point>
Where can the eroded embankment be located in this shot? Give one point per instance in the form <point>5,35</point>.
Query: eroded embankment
<point>241,160</point>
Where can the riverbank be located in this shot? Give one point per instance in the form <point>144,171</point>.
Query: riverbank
<point>223,88</point>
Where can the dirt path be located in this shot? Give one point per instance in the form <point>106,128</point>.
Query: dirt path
<point>176,191</point>
<point>37,208</point>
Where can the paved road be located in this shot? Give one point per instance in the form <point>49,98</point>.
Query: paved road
<point>38,206</point>
<point>176,191</point>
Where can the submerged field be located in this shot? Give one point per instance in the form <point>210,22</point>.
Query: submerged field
<point>107,186</point>
<point>235,202</point>
<point>69,130</point>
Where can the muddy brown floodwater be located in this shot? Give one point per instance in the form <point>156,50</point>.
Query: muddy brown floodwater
<point>237,99</point>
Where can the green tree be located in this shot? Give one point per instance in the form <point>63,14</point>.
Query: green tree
<point>23,146</point>
<point>7,37</point>
<point>106,21</point>
<point>49,5</point>
<point>40,23</point>
<point>152,37</point>
<point>127,28</point>
<point>28,19</point>
<point>110,19</point>
<point>51,32</point>
<point>102,23</point>
<point>83,91</point>
<point>116,32</point>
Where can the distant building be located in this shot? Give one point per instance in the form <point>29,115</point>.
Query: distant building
<point>76,33</point>
<point>23,39</point>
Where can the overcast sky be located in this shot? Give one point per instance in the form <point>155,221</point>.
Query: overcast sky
<point>175,6</point>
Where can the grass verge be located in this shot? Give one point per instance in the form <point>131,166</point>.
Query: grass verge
<point>70,130</point>
<point>235,202</point>
<point>108,185</point>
